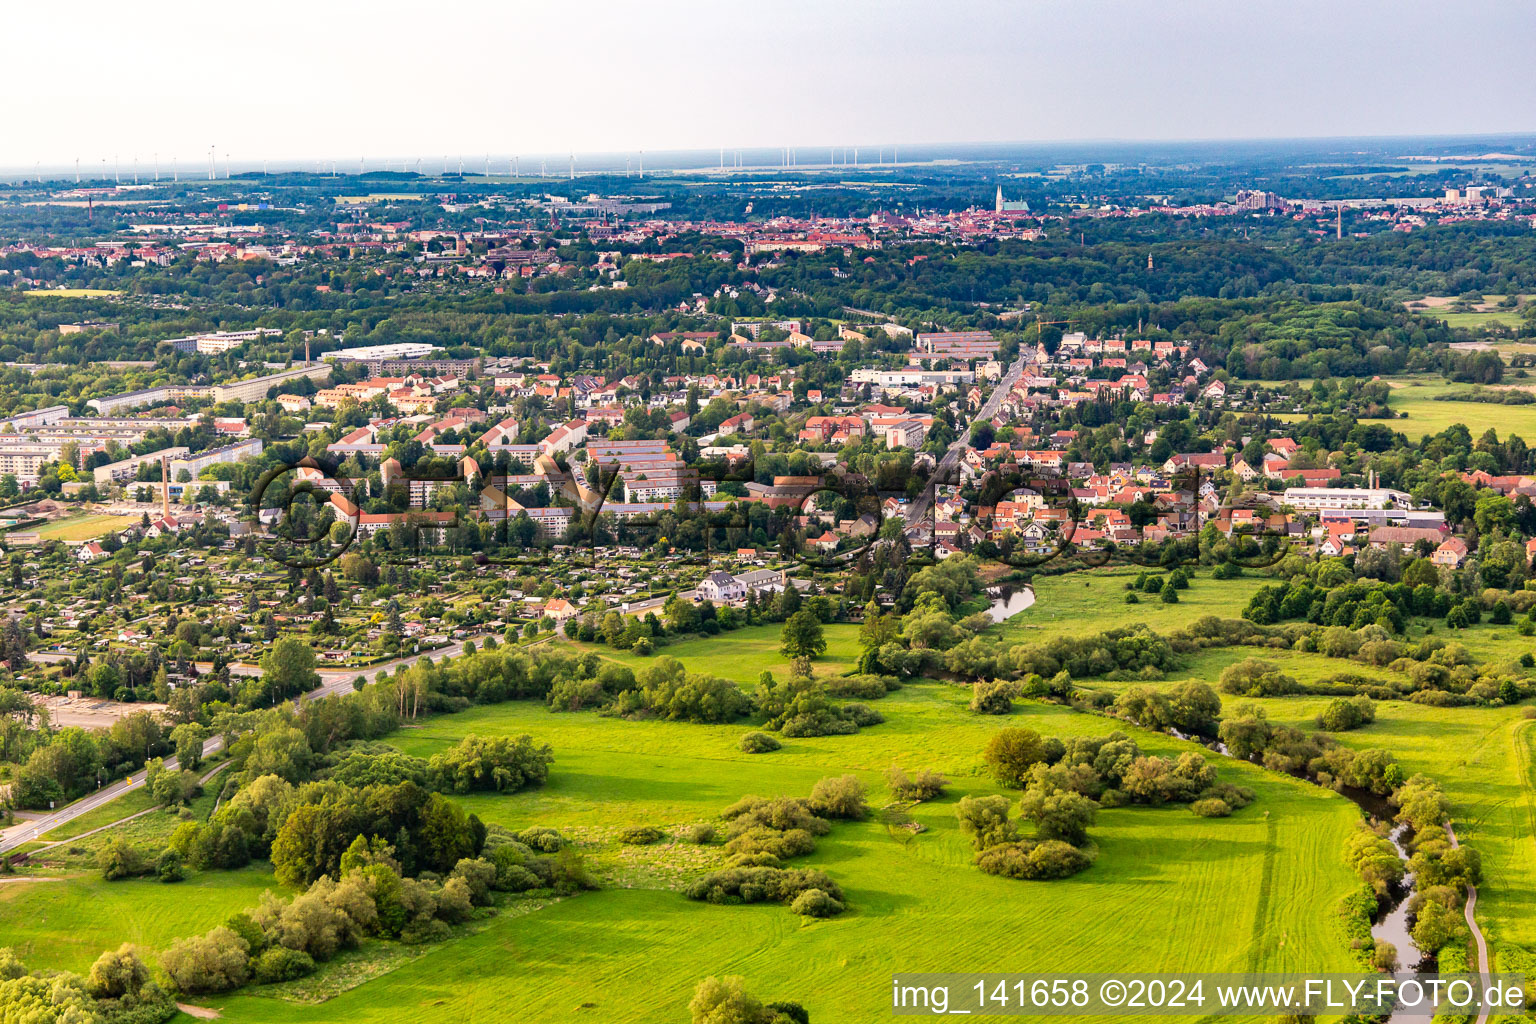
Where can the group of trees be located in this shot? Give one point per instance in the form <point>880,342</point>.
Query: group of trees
<point>1064,784</point>
<point>119,989</point>
<point>1250,735</point>
<point>1441,871</point>
<point>369,892</point>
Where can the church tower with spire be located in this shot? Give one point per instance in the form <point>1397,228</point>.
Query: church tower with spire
<point>999,199</point>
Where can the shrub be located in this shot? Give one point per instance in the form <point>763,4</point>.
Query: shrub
<point>215,962</point>
<point>1157,780</point>
<point>865,686</point>
<point>1058,813</point>
<point>1211,807</point>
<point>994,698</point>
<point>282,964</point>
<point>668,691</point>
<point>480,875</point>
<point>701,835</point>
<point>1233,796</point>
<point>1036,861</point>
<point>761,885</point>
<point>816,903</point>
<point>641,835</point>
<point>725,1001</point>
<point>925,785</point>
<point>861,716</point>
<point>1343,714</point>
<point>840,797</point>
<point>1253,677</point>
<point>758,743</point>
<point>114,975</point>
<point>780,813</point>
<point>169,867</point>
<point>505,764</point>
<point>120,859</point>
<point>543,839</point>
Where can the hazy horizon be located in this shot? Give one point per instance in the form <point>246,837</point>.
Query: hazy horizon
<point>304,82</point>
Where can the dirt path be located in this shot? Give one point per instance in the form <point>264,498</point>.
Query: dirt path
<point>1483,964</point>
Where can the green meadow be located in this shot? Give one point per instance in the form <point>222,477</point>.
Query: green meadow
<point>1085,602</point>
<point>65,925</point>
<point>742,654</point>
<point>1256,891</point>
<point>1415,396</point>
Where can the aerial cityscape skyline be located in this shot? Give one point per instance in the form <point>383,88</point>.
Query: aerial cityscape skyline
<point>708,512</point>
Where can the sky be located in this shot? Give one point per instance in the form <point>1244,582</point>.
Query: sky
<point>286,79</point>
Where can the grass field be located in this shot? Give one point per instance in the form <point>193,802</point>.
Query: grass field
<point>1416,397</point>
<point>1486,760</point>
<point>1427,416</point>
<point>82,528</point>
<point>1483,318</point>
<point>66,925</point>
<point>743,654</point>
<point>131,802</point>
<point>1084,602</point>
<point>1258,890</point>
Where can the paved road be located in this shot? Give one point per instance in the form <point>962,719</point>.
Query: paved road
<point>25,832</point>
<point>333,681</point>
<point>917,511</point>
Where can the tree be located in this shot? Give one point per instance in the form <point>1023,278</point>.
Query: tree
<point>985,820</point>
<point>802,636</point>
<point>725,1001</point>
<point>288,669</point>
<point>1010,754</point>
<point>1058,813</point>
<point>216,962</point>
<point>119,974</point>
<point>189,738</point>
<point>283,752</point>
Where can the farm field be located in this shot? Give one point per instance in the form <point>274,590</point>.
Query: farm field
<point>1416,397</point>
<point>1480,318</point>
<point>1258,890</point>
